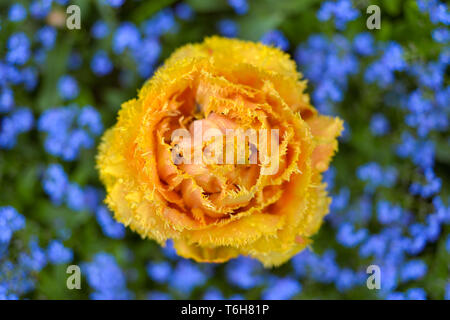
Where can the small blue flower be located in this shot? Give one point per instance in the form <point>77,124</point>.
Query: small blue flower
<point>100,30</point>
<point>6,99</point>
<point>444,56</point>
<point>57,186</point>
<point>73,143</point>
<point>275,38</point>
<point>101,64</point>
<point>433,227</point>
<point>333,57</point>
<point>441,35</point>
<point>341,10</point>
<point>239,6</point>
<point>379,73</point>
<point>340,200</point>
<point>349,237</point>
<point>126,37</point>
<point>75,197</point>
<point>10,222</point>
<point>393,57</point>
<point>115,3</point>
<point>328,177</point>
<point>379,125</point>
<point>442,96</point>
<point>433,185</point>
<point>396,296</point>
<point>442,212</point>
<point>388,213</point>
<point>46,36</point>
<point>160,23</point>
<point>40,55</point>
<point>323,269</point>
<point>75,61</point>
<point>19,121</point>
<point>424,155</point>
<point>5,295</point>
<point>374,175</point>
<point>374,246</point>
<point>243,273</point>
<point>15,280</point>
<point>430,75</point>
<point>106,277</point>
<point>413,270</point>
<point>58,254</point>
<point>110,227</point>
<point>346,280</point>
<point>29,78</point>
<point>68,87</point>
<point>184,11</point>
<point>8,134</point>
<point>438,12</point>
<point>159,271</point>
<point>390,277</point>
<point>17,12</point>
<point>55,183</point>
<point>186,277</point>
<point>282,289</point>
<point>419,239</point>
<point>158,295</point>
<point>112,295</point>
<point>416,294</point>
<point>146,55</point>
<point>62,140</point>
<point>407,147</point>
<point>18,49</point>
<point>363,44</point>
<point>228,28</point>
<point>36,260</point>
<point>213,294</point>
<point>12,74</point>
<point>169,250</point>
<point>90,118</point>
<point>39,9</point>
<point>23,119</point>
<point>447,292</point>
<point>93,197</point>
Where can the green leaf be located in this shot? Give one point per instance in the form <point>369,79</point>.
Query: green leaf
<point>147,9</point>
<point>55,67</point>
<point>208,6</point>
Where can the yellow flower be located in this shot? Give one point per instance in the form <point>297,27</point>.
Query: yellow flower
<point>215,211</point>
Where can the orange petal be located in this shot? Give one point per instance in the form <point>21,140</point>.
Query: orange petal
<point>325,131</point>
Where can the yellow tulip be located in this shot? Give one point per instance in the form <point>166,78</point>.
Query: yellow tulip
<point>217,211</point>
